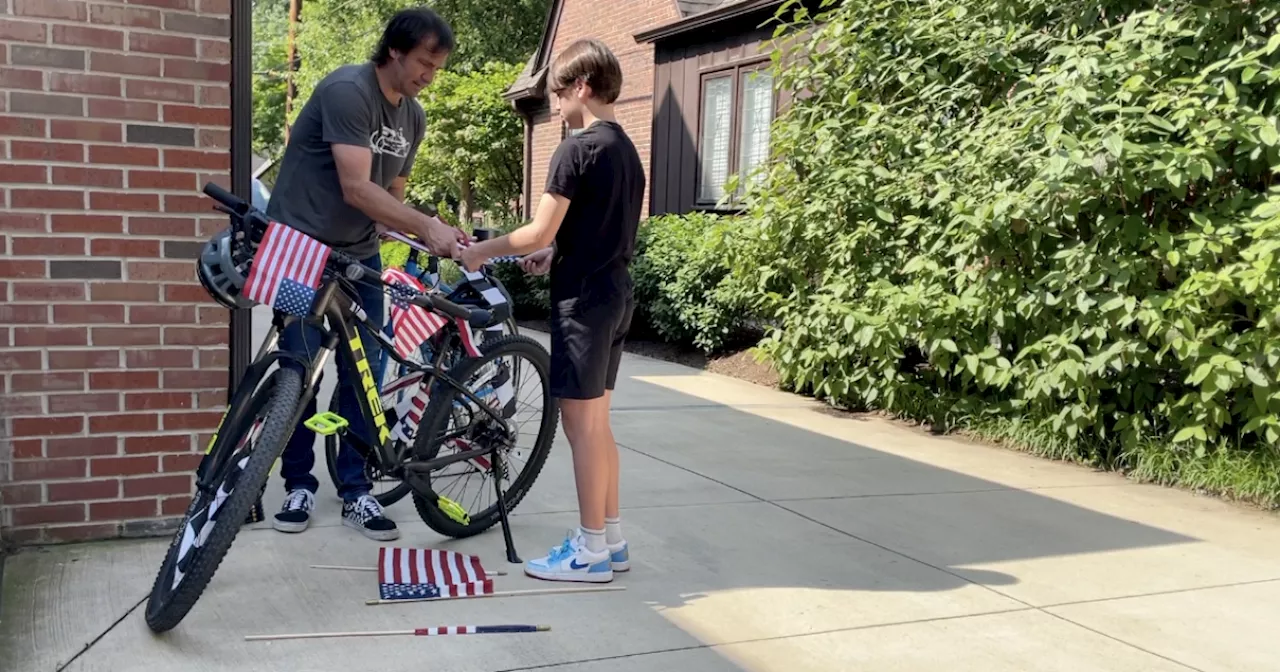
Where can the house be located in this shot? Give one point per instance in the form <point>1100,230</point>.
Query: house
<point>697,98</point>
<point>114,361</point>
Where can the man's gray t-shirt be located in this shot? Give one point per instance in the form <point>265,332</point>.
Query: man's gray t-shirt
<point>347,107</point>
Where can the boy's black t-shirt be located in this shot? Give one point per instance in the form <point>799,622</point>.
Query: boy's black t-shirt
<point>600,172</point>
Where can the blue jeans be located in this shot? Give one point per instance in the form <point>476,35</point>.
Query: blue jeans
<point>299,455</point>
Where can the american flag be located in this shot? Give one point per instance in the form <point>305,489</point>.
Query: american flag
<point>286,270</point>
<point>413,573</point>
<point>411,325</point>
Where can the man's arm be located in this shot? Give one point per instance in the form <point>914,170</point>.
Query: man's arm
<point>354,166</point>
<point>536,235</point>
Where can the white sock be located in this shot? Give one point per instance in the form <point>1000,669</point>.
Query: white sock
<point>612,530</point>
<point>595,539</point>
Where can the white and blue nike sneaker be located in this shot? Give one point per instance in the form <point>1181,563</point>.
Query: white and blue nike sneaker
<point>572,561</point>
<point>619,556</point>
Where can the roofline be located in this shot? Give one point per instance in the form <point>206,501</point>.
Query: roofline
<point>696,21</point>
<point>534,90</point>
<point>539,58</point>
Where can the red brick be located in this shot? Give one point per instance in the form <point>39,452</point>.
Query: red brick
<point>174,506</point>
<point>44,470</point>
<point>88,177</point>
<point>22,221</point>
<point>124,291</point>
<point>126,423</point>
<point>50,336</point>
<point>82,446</point>
<point>93,85</point>
<point>133,17</point>
<point>197,420</point>
<point>124,466</point>
<point>22,126</point>
<point>215,50</point>
<point>24,314</point>
<point>138,202</point>
<point>180,68</point>
<point>187,158</point>
<point>29,247</point>
<point>13,406</point>
<point>28,449</point>
<point>167,4</point>
<point>124,509</point>
<point>53,291</point>
<point>146,89</point>
<point>162,44</point>
<point>97,131</point>
<point>91,313</point>
<point>13,78</point>
<point>72,10</point>
<point>212,398</point>
<point>125,247</point>
<point>175,484</point>
<point>50,381</point>
<point>160,270</point>
<point>88,224</point>
<point>108,336</point>
<point>23,174</point>
<point>53,425</point>
<point>39,150</point>
<point>211,138</point>
<point>164,443</point>
<point>124,380</point>
<point>215,7</point>
<point>45,199</point>
<point>102,38</point>
<point>25,360</point>
<point>138,156</point>
<point>19,494</point>
<point>195,379</point>
<point>108,108</point>
<point>159,359</point>
<point>22,31</point>
<point>162,226</point>
<point>215,315</point>
<point>147,401</point>
<point>162,314</point>
<point>195,335</point>
<point>215,96</point>
<point>159,179</point>
<point>205,116</point>
<point>49,513</point>
<point>15,268</point>
<point>79,491</point>
<point>187,294</point>
<point>80,360</point>
<point>184,203</point>
<point>80,532</point>
<point>84,403</point>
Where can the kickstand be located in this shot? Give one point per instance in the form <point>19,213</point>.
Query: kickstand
<point>498,470</point>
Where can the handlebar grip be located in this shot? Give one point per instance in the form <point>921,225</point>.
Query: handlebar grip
<point>226,198</point>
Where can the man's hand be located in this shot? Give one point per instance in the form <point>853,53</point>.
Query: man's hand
<point>538,263</point>
<point>443,240</point>
<point>473,257</point>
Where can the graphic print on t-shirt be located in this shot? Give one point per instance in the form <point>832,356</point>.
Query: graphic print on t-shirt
<point>389,141</point>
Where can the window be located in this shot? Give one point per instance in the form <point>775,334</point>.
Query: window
<point>737,110</point>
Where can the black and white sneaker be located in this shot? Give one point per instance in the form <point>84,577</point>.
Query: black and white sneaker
<point>365,515</point>
<point>295,515</point>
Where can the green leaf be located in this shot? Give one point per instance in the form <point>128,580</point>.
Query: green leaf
<point>1248,74</point>
<point>1256,377</point>
<point>1272,44</point>
<point>1188,433</point>
<point>1114,144</point>
<point>948,345</point>
<point>1268,135</point>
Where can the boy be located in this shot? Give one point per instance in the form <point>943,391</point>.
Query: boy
<point>591,211</point>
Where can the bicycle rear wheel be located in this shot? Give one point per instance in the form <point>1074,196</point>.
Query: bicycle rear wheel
<point>452,424</point>
<point>214,518</point>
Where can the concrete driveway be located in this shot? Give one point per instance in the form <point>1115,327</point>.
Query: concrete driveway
<point>768,535</point>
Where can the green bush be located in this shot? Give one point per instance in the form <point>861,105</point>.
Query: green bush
<point>683,289</point>
<point>1053,217</point>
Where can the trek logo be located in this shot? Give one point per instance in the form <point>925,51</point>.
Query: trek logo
<point>389,141</point>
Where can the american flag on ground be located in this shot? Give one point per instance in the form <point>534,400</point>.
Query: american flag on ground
<point>286,270</point>
<point>412,573</point>
<point>411,325</point>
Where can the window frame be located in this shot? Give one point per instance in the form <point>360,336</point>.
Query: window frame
<point>734,70</point>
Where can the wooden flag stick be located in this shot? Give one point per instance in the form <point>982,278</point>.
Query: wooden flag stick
<point>374,569</point>
<point>418,632</point>
<point>503,593</point>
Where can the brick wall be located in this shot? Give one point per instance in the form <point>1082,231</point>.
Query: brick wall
<point>634,109</point>
<point>113,360</point>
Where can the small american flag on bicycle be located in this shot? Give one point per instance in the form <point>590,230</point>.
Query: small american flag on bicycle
<point>414,573</point>
<point>411,325</point>
<point>286,270</point>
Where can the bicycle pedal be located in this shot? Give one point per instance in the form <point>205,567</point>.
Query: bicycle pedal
<point>326,423</point>
<point>453,510</point>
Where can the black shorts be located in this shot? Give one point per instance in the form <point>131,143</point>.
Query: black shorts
<point>587,332</point>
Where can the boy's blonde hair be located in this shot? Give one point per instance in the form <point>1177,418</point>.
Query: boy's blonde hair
<point>592,62</point>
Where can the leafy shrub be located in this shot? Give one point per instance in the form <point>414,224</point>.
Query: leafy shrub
<point>683,289</point>
<point>1055,215</point>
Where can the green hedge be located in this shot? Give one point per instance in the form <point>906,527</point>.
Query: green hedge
<point>1050,222</point>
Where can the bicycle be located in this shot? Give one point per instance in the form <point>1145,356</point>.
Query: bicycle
<point>268,403</point>
<point>396,383</point>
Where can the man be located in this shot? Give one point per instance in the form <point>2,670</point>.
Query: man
<point>342,176</point>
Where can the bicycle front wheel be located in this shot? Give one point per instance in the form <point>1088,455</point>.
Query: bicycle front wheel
<point>214,518</point>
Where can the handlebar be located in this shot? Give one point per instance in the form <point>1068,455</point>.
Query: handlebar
<point>353,269</point>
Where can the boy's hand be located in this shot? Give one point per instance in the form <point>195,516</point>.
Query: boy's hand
<point>472,257</point>
<point>538,263</point>
<point>443,240</point>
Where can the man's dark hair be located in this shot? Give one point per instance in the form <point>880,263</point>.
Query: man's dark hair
<point>409,28</point>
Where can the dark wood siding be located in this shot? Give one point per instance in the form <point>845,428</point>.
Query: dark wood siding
<point>680,64</point>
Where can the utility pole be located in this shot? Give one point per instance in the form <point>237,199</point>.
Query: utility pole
<point>295,8</point>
